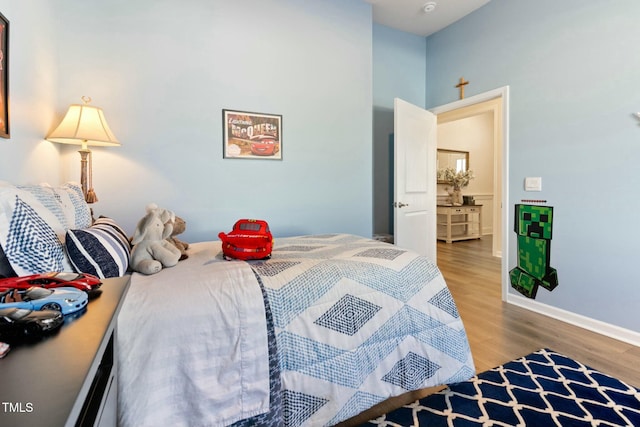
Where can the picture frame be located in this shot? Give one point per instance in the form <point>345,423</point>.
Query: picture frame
<point>249,135</point>
<point>4,77</point>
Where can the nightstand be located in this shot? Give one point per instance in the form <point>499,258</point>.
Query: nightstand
<point>459,222</point>
<point>69,378</point>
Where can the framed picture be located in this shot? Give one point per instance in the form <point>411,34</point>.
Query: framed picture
<point>4,77</point>
<point>248,135</point>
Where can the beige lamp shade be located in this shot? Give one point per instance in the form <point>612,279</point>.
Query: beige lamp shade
<point>83,125</point>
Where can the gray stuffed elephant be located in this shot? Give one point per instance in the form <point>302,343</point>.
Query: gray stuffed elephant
<point>151,251</point>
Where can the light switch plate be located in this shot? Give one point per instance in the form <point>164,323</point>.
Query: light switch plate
<point>533,183</point>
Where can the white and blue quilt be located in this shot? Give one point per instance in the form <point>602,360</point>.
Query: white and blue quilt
<point>358,321</point>
<point>326,328</point>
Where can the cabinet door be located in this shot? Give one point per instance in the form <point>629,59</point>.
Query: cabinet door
<point>108,415</point>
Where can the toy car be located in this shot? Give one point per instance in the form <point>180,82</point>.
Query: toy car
<point>64,300</point>
<point>249,239</point>
<point>4,349</point>
<point>265,146</point>
<point>81,281</point>
<point>19,322</point>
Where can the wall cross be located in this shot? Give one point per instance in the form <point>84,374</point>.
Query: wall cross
<point>461,86</point>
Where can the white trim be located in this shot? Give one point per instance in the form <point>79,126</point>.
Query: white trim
<point>502,93</point>
<point>607,329</point>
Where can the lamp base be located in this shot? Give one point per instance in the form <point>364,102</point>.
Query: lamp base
<point>85,176</point>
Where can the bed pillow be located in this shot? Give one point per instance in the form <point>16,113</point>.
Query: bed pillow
<point>5,267</point>
<point>32,228</point>
<point>102,249</point>
<point>75,208</point>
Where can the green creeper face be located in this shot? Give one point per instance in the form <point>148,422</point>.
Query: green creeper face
<point>534,221</point>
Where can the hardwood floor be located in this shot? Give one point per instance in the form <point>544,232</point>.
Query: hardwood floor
<point>499,332</point>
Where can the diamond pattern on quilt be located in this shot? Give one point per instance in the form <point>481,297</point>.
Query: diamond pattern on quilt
<point>303,290</point>
<point>31,242</point>
<point>297,248</point>
<point>464,373</point>
<point>355,404</point>
<point>348,315</point>
<point>328,363</point>
<point>296,353</point>
<point>444,300</point>
<point>348,367</point>
<point>389,254</point>
<point>411,371</point>
<point>411,322</point>
<point>299,407</point>
<point>272,268</point>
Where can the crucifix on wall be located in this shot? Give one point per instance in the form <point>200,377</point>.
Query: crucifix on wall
<point>461,84</point>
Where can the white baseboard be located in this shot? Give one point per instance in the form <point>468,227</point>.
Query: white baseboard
<point>603,328</point>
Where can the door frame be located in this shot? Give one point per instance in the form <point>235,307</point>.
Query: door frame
<point>501,154</point>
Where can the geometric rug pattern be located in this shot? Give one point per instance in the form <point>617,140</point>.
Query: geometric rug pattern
<point>544,388</point>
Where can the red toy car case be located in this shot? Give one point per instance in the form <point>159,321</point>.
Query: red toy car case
<point>249,239</point>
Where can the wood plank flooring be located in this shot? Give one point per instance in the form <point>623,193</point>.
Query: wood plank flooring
<point>499,332</point>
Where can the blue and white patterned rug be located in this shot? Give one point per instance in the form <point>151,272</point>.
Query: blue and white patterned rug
<point>544,388</point>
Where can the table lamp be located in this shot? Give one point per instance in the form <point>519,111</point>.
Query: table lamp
<point>84,125</point>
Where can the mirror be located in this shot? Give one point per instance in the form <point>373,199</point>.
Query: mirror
<point>458,160</point>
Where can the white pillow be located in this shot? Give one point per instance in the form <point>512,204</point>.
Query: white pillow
<point>33,223</point>
<point>75,209</point>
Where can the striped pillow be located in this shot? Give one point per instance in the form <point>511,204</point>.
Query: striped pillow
<point>102,249</point>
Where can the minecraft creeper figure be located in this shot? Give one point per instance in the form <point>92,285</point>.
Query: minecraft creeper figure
<point>533,225</point>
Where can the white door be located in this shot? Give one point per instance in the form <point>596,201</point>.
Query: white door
<point>414,223</point>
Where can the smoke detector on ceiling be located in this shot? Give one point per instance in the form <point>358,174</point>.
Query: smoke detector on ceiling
<point>429,7</point>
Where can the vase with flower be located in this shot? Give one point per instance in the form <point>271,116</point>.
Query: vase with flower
<point>457,180</point>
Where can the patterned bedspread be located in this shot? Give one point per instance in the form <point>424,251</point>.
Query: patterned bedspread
<point>358,321</point>
<point>328,327</point>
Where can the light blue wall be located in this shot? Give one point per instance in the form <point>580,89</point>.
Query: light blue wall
<point>163,74</point>
<point>163,70</point>
<point>25,157</point>
<point>399,64</point>
<point>573,72</point>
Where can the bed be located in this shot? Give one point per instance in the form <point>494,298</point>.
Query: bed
<point>326,328</point>
<point>352,321</point>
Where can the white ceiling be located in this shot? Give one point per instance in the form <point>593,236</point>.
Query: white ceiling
<point>409,15</point>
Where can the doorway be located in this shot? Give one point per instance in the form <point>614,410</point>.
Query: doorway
<point>495,103</point>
